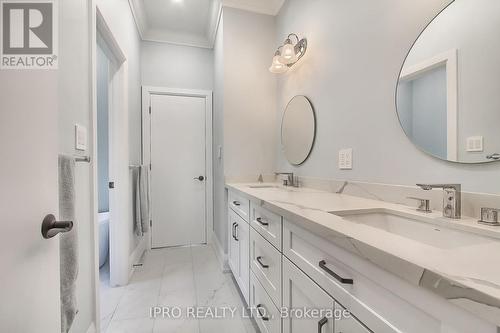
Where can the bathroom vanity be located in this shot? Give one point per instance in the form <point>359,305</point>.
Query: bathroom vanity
<point>394,269</point>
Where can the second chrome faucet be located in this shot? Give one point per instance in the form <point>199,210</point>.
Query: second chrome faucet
<point>452,198</point>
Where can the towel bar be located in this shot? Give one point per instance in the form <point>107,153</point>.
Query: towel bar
<point>82,159</point>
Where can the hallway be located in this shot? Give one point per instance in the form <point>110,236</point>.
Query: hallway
<point>180,277</point>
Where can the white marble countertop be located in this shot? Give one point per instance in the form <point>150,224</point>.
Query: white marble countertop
<point>468,274</point>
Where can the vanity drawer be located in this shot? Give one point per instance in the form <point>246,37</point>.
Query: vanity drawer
<point>240,205</point>
<point>348,324</point>
<point>374,305</point>
<point>265,313</point>
<point>266,223</point>
<point>265,262</point>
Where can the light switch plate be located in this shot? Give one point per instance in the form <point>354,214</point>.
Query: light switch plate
<point>475,144</point>
<point>345,159</point>
<point>80,137</point>
<point>219,152</point>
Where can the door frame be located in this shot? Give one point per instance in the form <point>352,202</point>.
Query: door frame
<point>118,158</point>
<point>450,60</point>
<point>147,92</point>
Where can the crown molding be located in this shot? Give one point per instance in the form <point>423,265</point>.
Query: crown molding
<point>268,7</point>
<point>149,34</point>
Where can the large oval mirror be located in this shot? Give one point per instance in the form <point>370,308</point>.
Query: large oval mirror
<point>448,95</point>
<point>298,130</point>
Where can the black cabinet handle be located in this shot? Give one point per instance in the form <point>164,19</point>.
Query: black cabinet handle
<point>236,232</point>
<point>322,323</point>
<point>232,231</point>
<point>260,262</point>
<point>236,203</point>
<point>262,316</point>
<point>259,219</point>
<point>322,265</point>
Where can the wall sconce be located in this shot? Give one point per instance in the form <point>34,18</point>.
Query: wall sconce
<point>288,54</point>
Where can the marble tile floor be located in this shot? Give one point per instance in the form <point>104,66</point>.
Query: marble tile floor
<point>181,277</point>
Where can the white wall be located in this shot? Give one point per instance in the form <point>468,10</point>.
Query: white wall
<point>245,104</point>
<point>174,66</point>
<point>356,50</point>
<point>218,137</point>
<point>119,17</point>
<point>249,94</point>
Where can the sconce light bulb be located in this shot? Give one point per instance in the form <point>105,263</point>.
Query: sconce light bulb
<point>277,67</point>
<point>288,55</point>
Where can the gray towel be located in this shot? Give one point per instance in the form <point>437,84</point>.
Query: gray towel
<point>68,242</point>
<point>141,200</point>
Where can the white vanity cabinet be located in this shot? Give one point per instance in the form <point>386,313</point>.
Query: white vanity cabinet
<point>265,263</point>
<point>301,293</point>
<point>267,224</point>
<point>283,266</point>
<point>239,251</point>
<point>240,205</point>
<point>348,324</point>
<point>264,311</point>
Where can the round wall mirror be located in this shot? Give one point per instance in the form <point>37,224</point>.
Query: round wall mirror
<point>298,130</point>
<point>448,94</point>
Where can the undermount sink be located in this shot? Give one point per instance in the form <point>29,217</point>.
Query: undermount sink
<point>413,228</point>
<point>263,186</point>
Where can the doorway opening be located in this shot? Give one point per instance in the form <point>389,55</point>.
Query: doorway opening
<point>111,180</point>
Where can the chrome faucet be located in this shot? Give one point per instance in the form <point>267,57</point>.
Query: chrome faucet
<point>290,181</point>
<point>452,198</point>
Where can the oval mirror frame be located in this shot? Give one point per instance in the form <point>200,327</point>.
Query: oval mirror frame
<point>298,130</point>
<point>455,152</point>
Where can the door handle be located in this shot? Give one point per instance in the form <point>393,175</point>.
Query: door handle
<point>232,231</point>
<point>200,178</point>
<point>259,260</point>
<point>322,265</point>
<point>322,323</point>
<point>51,227</point>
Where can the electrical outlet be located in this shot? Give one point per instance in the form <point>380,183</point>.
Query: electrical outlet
<point>345,159</point>
<point>475,144</point>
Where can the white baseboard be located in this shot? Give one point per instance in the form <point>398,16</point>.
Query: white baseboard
<point>137,254</point>
<point>219,252</point>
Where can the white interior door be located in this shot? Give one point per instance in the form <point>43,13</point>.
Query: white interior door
<point>178,174</point>
<point>29,264</point>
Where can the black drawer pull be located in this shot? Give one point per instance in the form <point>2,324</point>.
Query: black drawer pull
<point>236,232</point>
<point>322,323</point>
<point>260,306</point>
<point>259,219</point>
<point>236,203</point>
<point>260,262</point>
<point>322,265</point>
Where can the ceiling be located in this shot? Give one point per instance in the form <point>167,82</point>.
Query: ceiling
<point>190,22</point>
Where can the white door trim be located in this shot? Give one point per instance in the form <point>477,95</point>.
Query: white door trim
<point>147,91</point>
<point>450,59</point>
<point>119,160</point>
